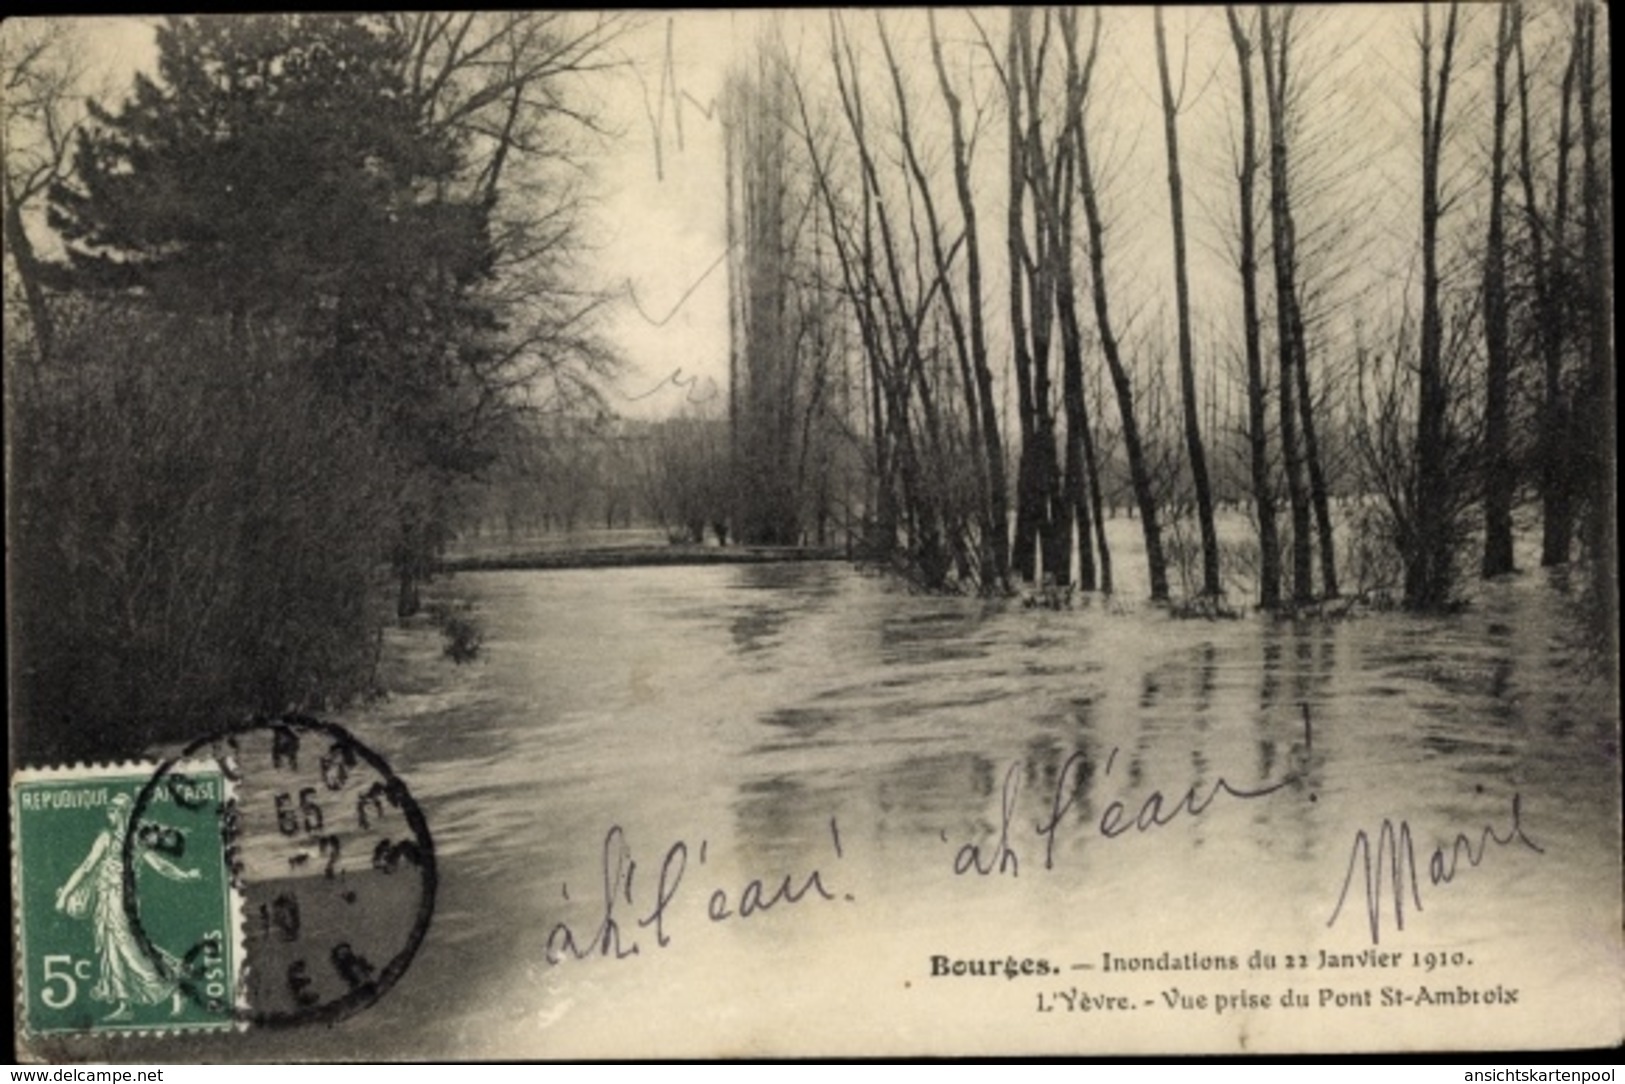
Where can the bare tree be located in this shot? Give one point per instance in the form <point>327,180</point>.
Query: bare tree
<point>502,83</point>
<point>1263,491</point>
<point>1156,561</point>
<point>1275,56</point>
<point>998,499</point>
<point>1546,240</point>
<point>42,75</point>
<point>1429,557</point>
<point>941,264</point>
<point>1031,490</point>
<point>1211,584</point>
<point>1500,482</point>
<point>1596,224</point>
<point>1082,495</point>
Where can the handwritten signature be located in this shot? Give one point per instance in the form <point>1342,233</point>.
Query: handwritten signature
<point>614,939</point>
<point>1394,865</point>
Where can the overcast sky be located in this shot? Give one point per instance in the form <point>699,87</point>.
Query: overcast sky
<point>1358,68</point>
<point>659,235</point>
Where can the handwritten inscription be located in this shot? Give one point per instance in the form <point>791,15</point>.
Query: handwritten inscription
<point>1392,868</point>
<point>1156,810</point>
<point>634,913</point>
<point>625,910</point>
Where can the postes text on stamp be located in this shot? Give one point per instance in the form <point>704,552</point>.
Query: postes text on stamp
<point>126,916</point>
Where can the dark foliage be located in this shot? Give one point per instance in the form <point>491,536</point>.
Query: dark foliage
<point>185,548</point>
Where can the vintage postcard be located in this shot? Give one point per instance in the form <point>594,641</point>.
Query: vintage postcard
<point>934,533</point>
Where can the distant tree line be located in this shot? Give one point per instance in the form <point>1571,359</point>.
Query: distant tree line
<point>315,271</point>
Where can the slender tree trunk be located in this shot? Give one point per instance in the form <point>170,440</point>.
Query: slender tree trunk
<point>988,564</point>
<point>1062,497</point>
<point>855,256</point>
<point>929,533</point>
<point>998,499</point>
<point>1295,346</point>
<point>1500,478</point>
<point>731,135</point>
<point>1139,474</point>
<point>1597,282</point>
<point>1053,527</point>
<point>1077,501</point>
<point>21,247</point>
<point>1103,550</point>
<point>1080,484</point>
<point>1295,340</point>
<point>1319,491</point>
<point>1556,480</point>
<point>1079,488</point>
<point>1028,489</point>
<point>1269,543</point>
<point>1275,90</point>
<point>1211,584</point>
<point>1428,557</point>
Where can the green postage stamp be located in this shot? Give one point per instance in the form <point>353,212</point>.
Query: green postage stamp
<point>127,920</point>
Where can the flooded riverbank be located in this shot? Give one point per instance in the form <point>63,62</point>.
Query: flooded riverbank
<point>913,781</point>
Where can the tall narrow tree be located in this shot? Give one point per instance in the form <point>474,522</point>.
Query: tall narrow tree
<point>1546,234</point>
<point>998,498</point>
<point>1500,476</point>
<point>1596,227</point>
<point>1041,255</point>
<point>1282,250</point>
<point>1187,369</point>
<point>1133,445</point>
<point>1269,543</point>
<point>1428,552</point>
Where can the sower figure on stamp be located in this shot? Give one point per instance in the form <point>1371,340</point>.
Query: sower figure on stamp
<point>97,887</point>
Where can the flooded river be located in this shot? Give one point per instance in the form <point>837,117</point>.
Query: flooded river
<point>1108,802</point>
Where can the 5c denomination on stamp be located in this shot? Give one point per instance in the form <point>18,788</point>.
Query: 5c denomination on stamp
<point>86,848</point>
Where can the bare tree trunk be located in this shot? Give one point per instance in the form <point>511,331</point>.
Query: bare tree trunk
<point>1050,177</point>
<point>1269,543</point>
<point>1597,282</point>
<point>1275,92</point>
<point>1023,561</point>
<point>21,248</point>
<point>998,499</point>
<point>1081,485</point>
<point>1556,481</point>
<point>1211,584</point>
<point>1078,487</point>
<point>1156,562</point>
<point>988,570</point>
<point>1428,553</point>
<point>1103,550</point>
<point>856,261</point>
<point>736,333</point>
<point>1319,492</point>
<point>929,533</point>
<point>1500,476</point>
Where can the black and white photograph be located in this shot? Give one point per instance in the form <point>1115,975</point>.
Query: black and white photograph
<point>832,533</point>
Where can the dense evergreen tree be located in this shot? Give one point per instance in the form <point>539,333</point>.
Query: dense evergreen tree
<point>278,170</point>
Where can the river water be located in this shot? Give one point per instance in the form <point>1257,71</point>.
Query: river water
<point>779,720</point>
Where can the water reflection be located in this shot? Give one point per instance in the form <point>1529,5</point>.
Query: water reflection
<point>750,706</point>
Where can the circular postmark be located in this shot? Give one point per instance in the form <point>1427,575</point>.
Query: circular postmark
<point>331,855</point>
